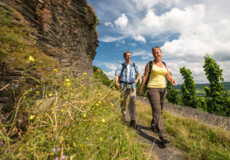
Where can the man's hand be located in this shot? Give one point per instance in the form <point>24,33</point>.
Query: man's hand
<point>117,85</point>
<point>136,81</point>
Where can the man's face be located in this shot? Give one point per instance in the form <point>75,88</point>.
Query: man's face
<point>127,57</point>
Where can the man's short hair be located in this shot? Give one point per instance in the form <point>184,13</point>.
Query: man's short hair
<point>126,53</point>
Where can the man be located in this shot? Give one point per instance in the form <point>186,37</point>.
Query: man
<point>126,80</point>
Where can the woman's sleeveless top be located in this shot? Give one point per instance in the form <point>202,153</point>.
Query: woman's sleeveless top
<point>157,77</point>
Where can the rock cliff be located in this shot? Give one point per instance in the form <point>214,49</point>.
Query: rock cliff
<point>63,29</point>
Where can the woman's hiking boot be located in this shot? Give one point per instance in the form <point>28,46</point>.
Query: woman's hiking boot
<point>164,140</point>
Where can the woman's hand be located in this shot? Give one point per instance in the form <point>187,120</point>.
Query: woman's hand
<point>174,83</point>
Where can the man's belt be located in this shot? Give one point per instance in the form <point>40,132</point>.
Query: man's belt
<point>126,82</point>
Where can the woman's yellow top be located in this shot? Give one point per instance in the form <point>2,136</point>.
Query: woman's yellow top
<point>157,77</point>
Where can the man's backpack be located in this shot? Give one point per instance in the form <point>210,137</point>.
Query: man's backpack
<point>122,70</point>
<point>150,68</point>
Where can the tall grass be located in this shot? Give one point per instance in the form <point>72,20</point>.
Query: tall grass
<point>68,119</point>
<point>197,140</point>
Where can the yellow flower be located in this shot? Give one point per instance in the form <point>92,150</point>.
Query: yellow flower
<point>84,73</point>
<point>32,117</point>
<point>82,85</point>
<point>31,59</point>
<point>53,112</point>
<point>67,80</point>
<point>37,86</point>
<point>62,110</point>
<point>50,94</point>
<point>67,84</point>
<point>84,115</point>
<point>96,105</point>
<point>103,120</point>
<point>55,70</point>
<point>37,92</point>
<point>114,88</point>
<point>101,139</point>
<point>112,104</point>
<point>74,144</point>
<point>99,94</point>
<point>99,102</point>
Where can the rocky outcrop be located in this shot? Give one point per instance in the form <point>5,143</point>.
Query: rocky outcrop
<point>64,30</point>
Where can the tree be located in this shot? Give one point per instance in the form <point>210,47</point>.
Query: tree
<point>172,94</point>
<point>217,98</point>
<point>188,91</point>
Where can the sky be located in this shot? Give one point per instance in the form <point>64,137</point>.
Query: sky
<point>186,30</point>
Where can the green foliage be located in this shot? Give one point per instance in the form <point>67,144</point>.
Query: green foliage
<point>68,118</point>
<point>217,98</point>
<point>188,89</point>
<point>102,77</point>
<point>173,95</point>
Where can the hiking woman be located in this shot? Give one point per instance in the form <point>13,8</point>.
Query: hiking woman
<point>156,90</point>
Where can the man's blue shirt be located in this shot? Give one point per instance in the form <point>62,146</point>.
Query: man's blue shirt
<point>133,71</point>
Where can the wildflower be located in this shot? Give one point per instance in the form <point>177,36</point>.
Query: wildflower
<point>67,80</point>
<point>101,139</point>
<point>56,158</point>
<point>74,144</point>
<point>50,94</point>
<point>84,115</point>
<point>37,92</point>
<point>84,73</point>
<point>54,150</point>
<point>36,86</point>
<point>82,85</point>
<point>31,59</point>
<point>96,104</point>
<point>102,120</point>
<point>99,94</point>
<point>112,104</point>
<point>53,112</point>
<point>55,70</point>
<point>62,110</point>
<point>58,149</point>
<point>114,88</point>
<point>68,84</point>
<point>99,102</point>
<point>82,108</point>
<point>63,157</point>
<point>110,138</point>
<point>32,117</point>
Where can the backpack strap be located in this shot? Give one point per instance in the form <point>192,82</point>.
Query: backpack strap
<point>150,67</point>
<point>164,64</point>
<point>122,70</point>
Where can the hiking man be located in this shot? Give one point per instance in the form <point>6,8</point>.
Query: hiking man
<point>126,80</point>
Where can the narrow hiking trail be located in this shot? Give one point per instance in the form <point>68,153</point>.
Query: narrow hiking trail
<point>166,152</point>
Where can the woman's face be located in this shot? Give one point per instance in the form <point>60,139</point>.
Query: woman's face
<point>157,54</point>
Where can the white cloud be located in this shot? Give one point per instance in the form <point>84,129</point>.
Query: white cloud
<point>108,24</point>
<point>122,21</point>
<point>111,39</point>
<point>139,38</point>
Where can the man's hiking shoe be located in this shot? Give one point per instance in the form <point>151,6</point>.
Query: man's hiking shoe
<point>165,140</point>
<point>133,125</point>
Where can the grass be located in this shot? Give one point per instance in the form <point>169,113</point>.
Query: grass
<point>71,121</point>
<point>197,140</point>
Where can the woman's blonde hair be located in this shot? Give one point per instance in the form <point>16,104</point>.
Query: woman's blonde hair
<point>156,47</point>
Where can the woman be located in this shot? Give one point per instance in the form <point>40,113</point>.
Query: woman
<point>157,91</point>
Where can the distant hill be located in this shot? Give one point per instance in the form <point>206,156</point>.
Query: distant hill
<point>201,86</point>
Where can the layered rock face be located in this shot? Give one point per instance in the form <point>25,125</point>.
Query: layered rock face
<point>65,30</point>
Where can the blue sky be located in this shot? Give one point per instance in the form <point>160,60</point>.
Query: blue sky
<point>185,30</point>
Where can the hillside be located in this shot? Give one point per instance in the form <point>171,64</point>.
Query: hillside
<point>201,86</point>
